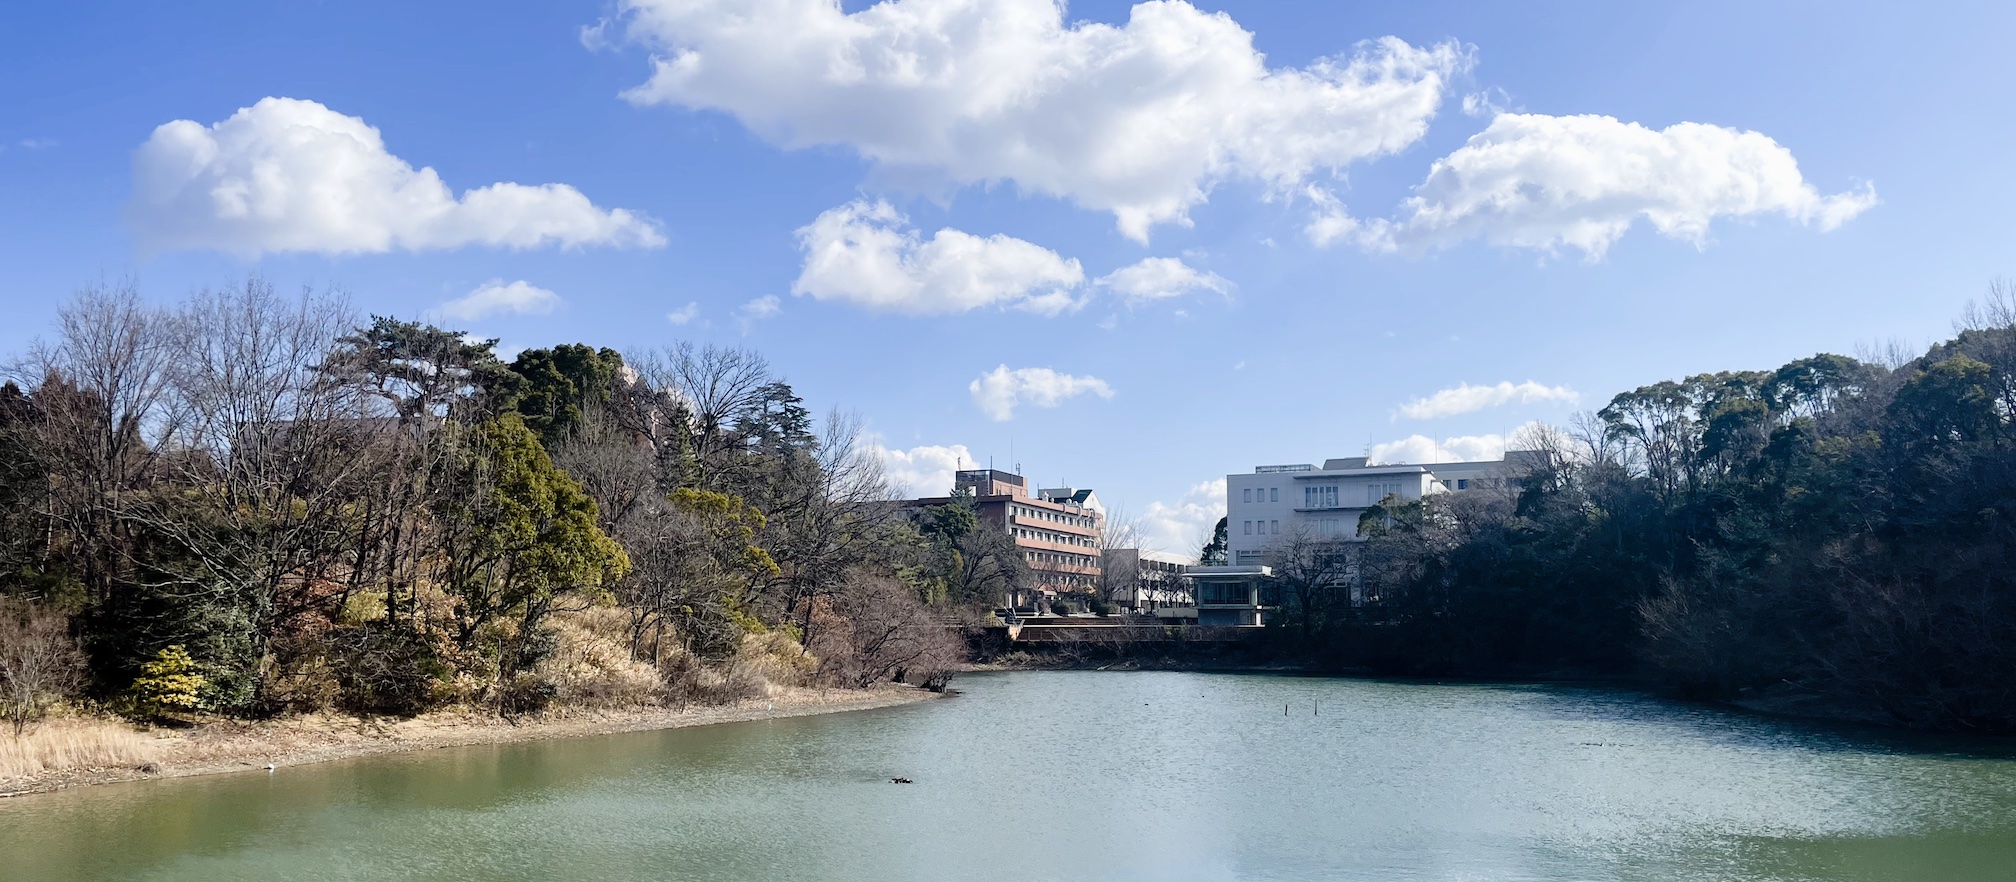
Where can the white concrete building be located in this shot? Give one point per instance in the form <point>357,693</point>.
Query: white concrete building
<point>1276,500</point>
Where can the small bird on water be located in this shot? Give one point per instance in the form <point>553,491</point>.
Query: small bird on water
<point>899,780</point>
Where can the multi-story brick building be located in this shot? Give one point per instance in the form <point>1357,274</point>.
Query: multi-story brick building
<point>1056,530</point>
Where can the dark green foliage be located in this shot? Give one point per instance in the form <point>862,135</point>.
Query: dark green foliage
<point>305,514</point>
<point>1213,553</point>
<point>1830,529</point>
<point>561,386</point>
<point>422,370</point>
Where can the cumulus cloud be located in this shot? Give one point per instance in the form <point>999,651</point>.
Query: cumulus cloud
<point>925,470</point>
<point>1421,449</point>
<point>1140,120</point>
<point>495,296</point>
<point>867,254</point>
<point>1465,398</point>
<point>1183,526</point>
<point>1157,278</point>
<point>998,392</point>
<point>684,315</point>
<point>1545,182</point>
<point>290,175</point>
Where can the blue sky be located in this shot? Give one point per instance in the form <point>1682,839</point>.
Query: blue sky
<point>1316,249</point>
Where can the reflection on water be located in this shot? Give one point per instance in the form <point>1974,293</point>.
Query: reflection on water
<point>1070,776</point>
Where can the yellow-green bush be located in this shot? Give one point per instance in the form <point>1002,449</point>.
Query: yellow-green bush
<point>171,683</point>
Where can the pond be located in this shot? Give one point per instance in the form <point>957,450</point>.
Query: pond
<point>1092,776</point>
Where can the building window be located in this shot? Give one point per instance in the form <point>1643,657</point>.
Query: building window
<point>1274,527</point>
<point>1247,526</point>
<point>1273,494</point>
<point>1462,483</point>
<point>1246,495</point>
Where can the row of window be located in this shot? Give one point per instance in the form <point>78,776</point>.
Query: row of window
<point>1048,536</point>
<point>1059,559</point>
<point>1032,513</point>
<point>1267,528</point>
<point>1328,495</point>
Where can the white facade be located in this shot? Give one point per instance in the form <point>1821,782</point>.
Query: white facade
<point>1276,501</point>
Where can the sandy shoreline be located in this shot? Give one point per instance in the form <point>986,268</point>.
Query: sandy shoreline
<point>231,746</point>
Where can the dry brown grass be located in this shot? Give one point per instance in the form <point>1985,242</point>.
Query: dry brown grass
<point>592,667</point>
<point>62,745</point>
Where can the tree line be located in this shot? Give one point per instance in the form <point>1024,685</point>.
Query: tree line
<point>248,503</point>
<point>1835,534</point>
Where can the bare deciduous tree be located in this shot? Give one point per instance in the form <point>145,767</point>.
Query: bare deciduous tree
<point>39,661</point>
<point>100,387</point>
<point>267,456</point>
<point>879,631</point>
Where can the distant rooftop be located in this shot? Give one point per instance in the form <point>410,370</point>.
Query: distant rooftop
<point>990,475</point>
<point>1355,463</point>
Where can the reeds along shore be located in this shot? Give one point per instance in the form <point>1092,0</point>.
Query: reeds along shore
<point>70,744</point>
<point>70,752</point>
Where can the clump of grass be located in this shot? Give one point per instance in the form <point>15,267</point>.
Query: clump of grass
<point>61,745</point>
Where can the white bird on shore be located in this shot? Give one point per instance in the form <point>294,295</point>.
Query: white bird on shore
<point>269,767</point>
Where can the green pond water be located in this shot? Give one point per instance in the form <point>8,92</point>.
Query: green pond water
<point>1093,776</point>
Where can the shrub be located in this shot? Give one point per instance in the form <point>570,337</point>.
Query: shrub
<point>1058,607</point>
<point>390,670</point>
<point>39,662</point>
<point>875,630</point>
<point>688,680</point>
<point>170,684</point>
<point>525,694</point>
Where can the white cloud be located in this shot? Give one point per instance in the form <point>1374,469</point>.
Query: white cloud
<point>998,392</point>
<point>1330,223</point>
<point>1465,398</point>
<point>1182,527</point>
<point>925,470</point>
<point>495,296</point>
<point>1420,449</point>
<point>1544,182</point>
<point>1140,120</point>
<point>866,254</point>
<point>291,175</point>
<point>1488,102</point>
<point>757,310</point>
<point>1156,278</point>
<point>684,314</point>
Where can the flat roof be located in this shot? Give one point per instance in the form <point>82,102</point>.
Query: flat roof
<point>1363,470</point>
